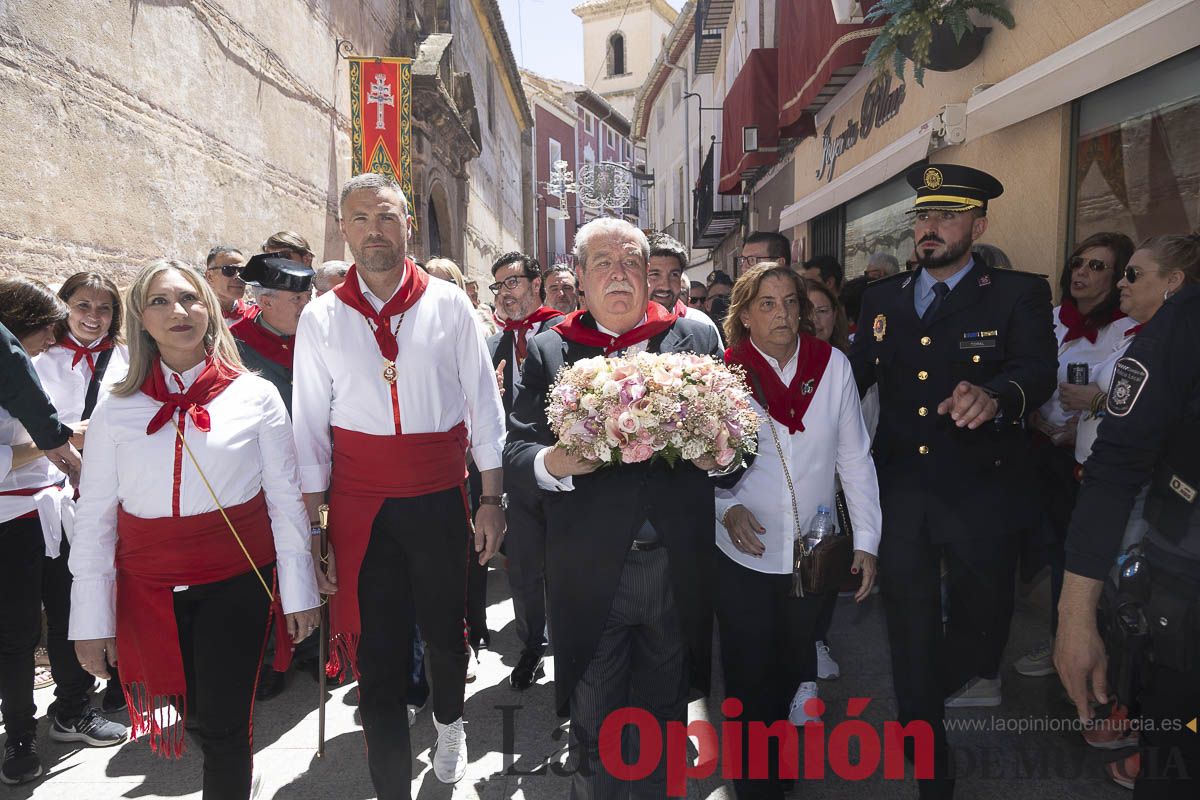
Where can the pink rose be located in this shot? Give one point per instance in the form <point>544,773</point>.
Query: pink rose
<point>725,457</point>
<point>636,453</point>
<point>628,423</point>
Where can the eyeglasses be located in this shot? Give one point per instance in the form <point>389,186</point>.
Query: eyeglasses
<point>509,283</point>
<point>696,300</point>
<point>1094,264</point>
<point>229,270</point>
<point>1132,274</point>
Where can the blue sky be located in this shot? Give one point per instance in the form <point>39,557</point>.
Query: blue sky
<point>546,37</point>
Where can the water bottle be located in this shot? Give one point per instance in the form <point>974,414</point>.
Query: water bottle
<point>820,527</point>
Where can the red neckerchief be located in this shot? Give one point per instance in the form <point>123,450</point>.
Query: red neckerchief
<point>786,404</point>
<point>412,286</point>
<point>1080,327</point>
<point>266,343</point>
<point>85,353</point>
<point>680,309</point>
<point>208,384</point>
<point>1133,330</point>
<point>658,319</point>
<point>524,326</point>
<point>241,309</point>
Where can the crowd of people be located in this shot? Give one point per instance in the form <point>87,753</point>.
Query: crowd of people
<point>232,416</point>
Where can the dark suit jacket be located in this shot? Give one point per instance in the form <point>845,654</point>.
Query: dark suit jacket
<point>279,375</point>
<point>21,395</point>
<point>993,330</point>
<point>589,530</point>
<point>500,345</point>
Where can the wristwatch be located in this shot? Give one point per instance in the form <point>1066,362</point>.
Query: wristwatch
<point>495,500</point>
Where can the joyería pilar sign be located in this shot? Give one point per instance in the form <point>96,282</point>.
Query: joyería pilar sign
<point>880,104</point>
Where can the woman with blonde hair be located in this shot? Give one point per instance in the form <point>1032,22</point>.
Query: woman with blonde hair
<point>174,579</point>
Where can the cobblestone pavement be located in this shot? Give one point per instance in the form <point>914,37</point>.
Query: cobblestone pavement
<point>517,743</point>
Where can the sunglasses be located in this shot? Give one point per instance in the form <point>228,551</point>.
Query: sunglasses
<point>509,283</point>
<point>1132,274</point>
<point>1094,264</point>
<point>229,271</point>
<point>695,301</point>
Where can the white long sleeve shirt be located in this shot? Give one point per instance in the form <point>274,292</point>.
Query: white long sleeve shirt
<point>67,385</point>
<point>834,441</point>
<point>249,448</point>
<point>445,377</point>
<point>1080,351</point>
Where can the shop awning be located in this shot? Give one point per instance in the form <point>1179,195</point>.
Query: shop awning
<point>820,58</point>
<point>887,163</point>
<point>749,104</point>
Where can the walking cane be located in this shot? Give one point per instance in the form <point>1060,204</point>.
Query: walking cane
<point>323,644</point>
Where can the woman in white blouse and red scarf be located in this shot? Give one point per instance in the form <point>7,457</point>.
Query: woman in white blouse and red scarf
<point>174,575</point>
<point>811,427</point>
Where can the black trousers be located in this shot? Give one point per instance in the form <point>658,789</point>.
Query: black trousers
<point>24,551</point>
<point>639,662</point>
<point>1055,470</point>
<point>72,683</point>
<point>478,634</point>
<point>1170,767</point>
<point>930,662</point>
<point>416,561</point>
<point>525,546</point>
<point>767,650</point>
<point>222,628</point>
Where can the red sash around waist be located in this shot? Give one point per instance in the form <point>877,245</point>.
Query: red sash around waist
<point>367,470</point>
<point>27,493</point>
<point>153,557</point>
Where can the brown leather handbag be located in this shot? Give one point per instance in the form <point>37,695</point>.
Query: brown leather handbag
<point>825,567</point>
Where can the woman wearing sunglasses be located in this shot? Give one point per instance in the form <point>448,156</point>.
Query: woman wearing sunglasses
<point>1088,325</point>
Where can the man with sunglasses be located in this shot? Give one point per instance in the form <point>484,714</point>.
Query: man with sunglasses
<point>960,353</point>
<point>517,290</point>
<point>222,270</point>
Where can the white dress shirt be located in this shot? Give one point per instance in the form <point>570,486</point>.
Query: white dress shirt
<point>566,484</point>
<point>67,385</point>
<point>1080,351</point>
<point>834,441</point>
<point>445,377</point>
<point>52,503</point>
<point>248,449</point>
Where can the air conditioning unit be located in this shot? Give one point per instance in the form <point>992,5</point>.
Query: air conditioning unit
<point>847,12</point>
<point>954,123</point>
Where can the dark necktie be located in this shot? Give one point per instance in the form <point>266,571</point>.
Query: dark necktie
<point>940,290</point>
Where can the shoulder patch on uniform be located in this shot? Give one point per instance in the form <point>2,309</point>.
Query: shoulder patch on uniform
<point>1129,377</point>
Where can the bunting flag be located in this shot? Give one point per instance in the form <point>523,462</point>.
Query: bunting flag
<point>381,118</point>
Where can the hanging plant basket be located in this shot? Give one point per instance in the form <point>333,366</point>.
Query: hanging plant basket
<point>946,54</point>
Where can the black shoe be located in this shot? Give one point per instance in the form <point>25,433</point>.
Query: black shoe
<point>270,684</point>
<point>525,673</point>
<point>91,729</point>
<point>113,699</point>
<point>21,762</point>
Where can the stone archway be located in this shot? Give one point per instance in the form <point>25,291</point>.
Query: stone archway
<point>440,223</point>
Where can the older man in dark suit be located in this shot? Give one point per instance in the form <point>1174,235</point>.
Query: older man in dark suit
<point>517,288</point>
<point>628,548</point>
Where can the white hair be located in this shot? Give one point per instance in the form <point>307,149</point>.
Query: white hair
<point>885,261</point>
<point>373,181</point>
<point>331,269</point>
<point>608,226</point>
<point>259,292</point>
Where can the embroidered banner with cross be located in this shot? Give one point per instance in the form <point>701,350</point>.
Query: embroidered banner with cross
<point>381,117</point>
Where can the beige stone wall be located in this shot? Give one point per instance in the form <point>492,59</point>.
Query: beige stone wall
<point>136,130</point>
<point>496,203</point>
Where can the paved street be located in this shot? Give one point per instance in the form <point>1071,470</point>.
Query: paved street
<point>512,735</point>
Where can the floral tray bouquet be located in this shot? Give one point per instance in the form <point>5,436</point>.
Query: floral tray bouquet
<point>653,405</point>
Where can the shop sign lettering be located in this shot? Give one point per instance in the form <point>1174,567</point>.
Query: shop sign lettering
<point>880,104</point>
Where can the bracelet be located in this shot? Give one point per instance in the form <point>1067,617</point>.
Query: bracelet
<point>1098,403</point>
<point>725,516</point>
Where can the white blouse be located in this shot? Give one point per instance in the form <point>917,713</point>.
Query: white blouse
<point>52,501</point>
<point>445,377</point>
<point>248,449</point>
<point>834,441</point>
<point>67,385</point>
<point>1080,351</point>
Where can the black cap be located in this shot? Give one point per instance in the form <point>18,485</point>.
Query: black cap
<point>269,271</point>
<point>951,187</point>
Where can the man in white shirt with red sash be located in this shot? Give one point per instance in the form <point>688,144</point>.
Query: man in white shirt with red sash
<point>394,364</point>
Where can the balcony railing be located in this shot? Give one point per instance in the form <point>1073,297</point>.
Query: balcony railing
<point>715,215</point>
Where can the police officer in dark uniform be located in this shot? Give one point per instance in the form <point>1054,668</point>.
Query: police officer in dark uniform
<point>960,353</point>
<point>266,338</point>
<point>1151,433</point>
<point>21,395</point>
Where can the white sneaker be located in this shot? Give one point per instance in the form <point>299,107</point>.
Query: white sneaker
<point>827,668</point>
<point>1038,662</point>
<point>450,755</point>
<point>472,664</point>
<point>796,714</point>
<point>976,693</point>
